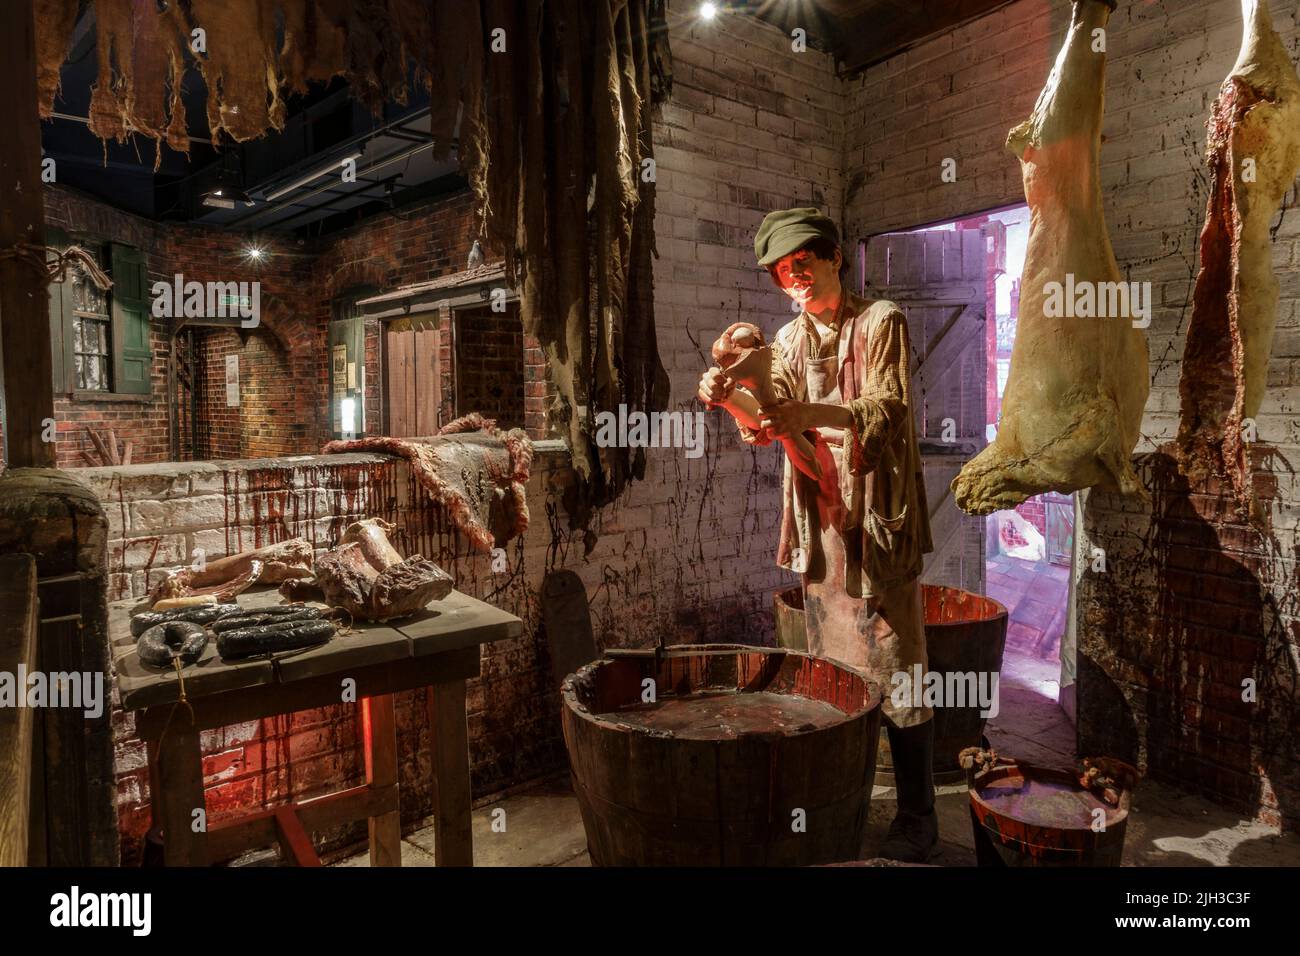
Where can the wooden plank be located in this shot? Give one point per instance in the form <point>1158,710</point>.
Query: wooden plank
<point>379,735</point>
<point>294,840</point>
<point>877,262</point>
<point>268,700</point>
<point>180,789</point>
<point>453,837</point>
<point>364,645</point>
<point>66,784</point>
<point>458,621</point>
<point>17,724</point>
<point>24,300</point>
<point>398,362</point>
<point>426,382</point>
<point>230,838</point>
<point>934,263</point>
<point>974,254</point>
<point>966,327</point>
<point>866,41</point>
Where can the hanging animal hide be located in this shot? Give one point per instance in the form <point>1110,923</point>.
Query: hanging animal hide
<point>469,468</point>
<point>54,22</point>
<point>1253,154</point>
<point>114,40</point>
<point>240,66</point>
<point>560,136</point>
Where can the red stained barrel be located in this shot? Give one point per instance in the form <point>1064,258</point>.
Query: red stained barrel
<point>744,757</point>
<point>965,633</point>
<point>1034,816</point>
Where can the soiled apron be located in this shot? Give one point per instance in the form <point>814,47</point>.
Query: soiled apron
<point>880,636</point>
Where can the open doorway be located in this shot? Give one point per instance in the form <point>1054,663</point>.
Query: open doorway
<point>1024,555</point>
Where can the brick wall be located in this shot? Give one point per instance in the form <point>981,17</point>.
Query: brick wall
<point>490,365</point>
<point>1159,677</point>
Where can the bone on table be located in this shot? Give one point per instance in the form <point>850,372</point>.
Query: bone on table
<point>1253,154</point>
<point>1077,386</point>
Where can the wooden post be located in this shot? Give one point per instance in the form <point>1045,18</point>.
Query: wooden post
<point>453,836</point>
<point>24,309</point>
<point>380,732</point>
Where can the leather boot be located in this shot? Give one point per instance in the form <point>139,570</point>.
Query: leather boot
<point>914,832</point>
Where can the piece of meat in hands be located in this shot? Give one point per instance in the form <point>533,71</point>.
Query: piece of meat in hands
<point>733,343</point>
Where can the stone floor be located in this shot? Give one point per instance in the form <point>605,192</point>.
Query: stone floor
<point>542,826</point>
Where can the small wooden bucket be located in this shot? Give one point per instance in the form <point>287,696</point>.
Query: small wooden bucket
<point>1036,816</point>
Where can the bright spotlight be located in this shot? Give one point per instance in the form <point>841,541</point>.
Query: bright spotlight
<point>254,253</point>
<point>708,11</point>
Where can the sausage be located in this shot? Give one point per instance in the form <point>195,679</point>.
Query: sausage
<point>194,615</point>
<point>237,622</point>
<point>269,638</point>
<point>161,643</point>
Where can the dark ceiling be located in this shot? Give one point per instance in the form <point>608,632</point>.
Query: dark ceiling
<point>862,33</point>
<point>394,163</point>
<point>393,157</point>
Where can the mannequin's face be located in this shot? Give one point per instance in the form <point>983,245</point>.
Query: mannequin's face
<point>813,283</point>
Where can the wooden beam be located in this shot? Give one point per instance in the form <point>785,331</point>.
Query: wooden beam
<point>24,308</point>
<point>17,652</point>
<point>885,34</point>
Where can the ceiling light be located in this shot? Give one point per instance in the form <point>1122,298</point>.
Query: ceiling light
<point>708,11</point>
<point>254,253</point>
<point>227,197</point>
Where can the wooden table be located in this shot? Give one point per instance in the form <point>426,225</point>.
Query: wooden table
<point>437,648</point>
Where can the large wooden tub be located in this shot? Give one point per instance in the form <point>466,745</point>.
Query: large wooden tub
<point>745,757</point>
<point>964,633</point>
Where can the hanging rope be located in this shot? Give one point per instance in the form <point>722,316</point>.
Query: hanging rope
<point>56,271</point>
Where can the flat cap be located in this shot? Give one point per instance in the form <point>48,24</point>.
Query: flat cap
<point>788,230</point>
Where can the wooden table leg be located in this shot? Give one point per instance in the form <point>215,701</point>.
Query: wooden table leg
<point>380,733</point>
<point>453,836</point>
<point>178,774</point>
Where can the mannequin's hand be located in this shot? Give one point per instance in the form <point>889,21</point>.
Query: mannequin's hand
<point>715,387</point>
<point>787,419</point>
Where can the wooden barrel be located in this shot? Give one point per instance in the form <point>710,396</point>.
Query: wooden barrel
<point>1034,816</point>
<point>744,757</point>
<point>965,633</point>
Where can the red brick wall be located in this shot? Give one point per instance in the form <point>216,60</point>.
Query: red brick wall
<point>490,365</point>
<point>218,424</point>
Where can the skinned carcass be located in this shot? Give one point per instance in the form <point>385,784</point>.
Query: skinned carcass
<point>366,576</point>
<point>1253,153</point>
<point>228,576</point>
<point>1078,379</point>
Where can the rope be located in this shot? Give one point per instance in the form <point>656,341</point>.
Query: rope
<point>181,699</point>
<point>38,258</point>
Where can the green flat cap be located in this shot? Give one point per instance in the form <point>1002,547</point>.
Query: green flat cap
<point>788,230</point>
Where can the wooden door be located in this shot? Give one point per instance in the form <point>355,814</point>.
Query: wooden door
<point>414,386</point>
<point>940,279</point>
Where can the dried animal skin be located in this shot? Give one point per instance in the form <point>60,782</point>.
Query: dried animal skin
<point>240,66</point>
<point>158,66</point>
<point>54,22</point>
<point>1077,386</point>
<point>1253,152</point>
<point>113,45</point>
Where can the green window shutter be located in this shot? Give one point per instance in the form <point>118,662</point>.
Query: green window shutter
<point>61,355</point>
<point>132,355</point>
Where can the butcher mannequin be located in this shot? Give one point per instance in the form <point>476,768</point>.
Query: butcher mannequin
<point>856,534</point>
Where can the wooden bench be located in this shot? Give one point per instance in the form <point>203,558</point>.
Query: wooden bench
<point>438,648</point>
